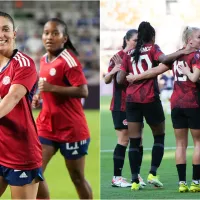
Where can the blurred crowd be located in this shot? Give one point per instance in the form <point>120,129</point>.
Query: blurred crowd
<point>82,19</point>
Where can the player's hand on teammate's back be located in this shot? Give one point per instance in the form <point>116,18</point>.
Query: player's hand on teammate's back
<point>117,59</point>
<point>115,69</point>
<point>131,78</point>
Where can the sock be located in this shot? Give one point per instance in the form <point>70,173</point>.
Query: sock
<point>118,159</point>
<point>181,168</point>
<point>157,153</point>
<point>140,159</point>
<point>134,157</point>
<point>196,172</point>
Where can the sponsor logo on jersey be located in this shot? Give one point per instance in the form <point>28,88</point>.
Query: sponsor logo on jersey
<point>125,122</point>
<point>52,72</point>
<point>6,80</point>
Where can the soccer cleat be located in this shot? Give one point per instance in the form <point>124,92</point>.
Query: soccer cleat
<point>119,181</point>
<point>194,187</point>
<point>183,187</point>
<point>154,180</point>
<point>142,183</point>
<point>136,186</point>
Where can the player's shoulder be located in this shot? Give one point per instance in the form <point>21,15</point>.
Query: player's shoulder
<point>22,60</point>
<point>195,56</point>
<point>69,58</point>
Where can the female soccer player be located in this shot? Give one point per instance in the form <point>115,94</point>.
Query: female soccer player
<point>21,154</point>
<point>143,100</point>
<point>185,105</point>
<point>61,123</point>
<point>118,108</point>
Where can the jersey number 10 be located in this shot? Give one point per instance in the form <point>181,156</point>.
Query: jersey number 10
<point>139,64</point>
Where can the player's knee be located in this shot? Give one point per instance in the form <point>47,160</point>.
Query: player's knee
<point>77,177</point>
<point>181,144</point>
<point>123,142</point>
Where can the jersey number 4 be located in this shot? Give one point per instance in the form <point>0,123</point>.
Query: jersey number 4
<point>178,75</point>
<point>139,69</point>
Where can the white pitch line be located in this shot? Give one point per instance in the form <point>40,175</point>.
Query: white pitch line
<point>147,149</point>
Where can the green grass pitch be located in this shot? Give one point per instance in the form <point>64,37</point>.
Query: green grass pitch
<point>167,170</point>
<point>56,174</point>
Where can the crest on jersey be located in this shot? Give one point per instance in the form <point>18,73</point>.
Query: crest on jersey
<point>6,80</point>
<point>197,56</point>
<point>125,122</point>
<point>52,72</point>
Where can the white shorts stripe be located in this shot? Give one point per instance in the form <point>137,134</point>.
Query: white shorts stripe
<point>68,62</point>
<point>70,57</point>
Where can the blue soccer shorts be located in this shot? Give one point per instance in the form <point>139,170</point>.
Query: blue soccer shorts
<point>16,177</point>
<point>71,151</point>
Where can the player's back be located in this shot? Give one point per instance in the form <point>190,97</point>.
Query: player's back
<point>144,91</point>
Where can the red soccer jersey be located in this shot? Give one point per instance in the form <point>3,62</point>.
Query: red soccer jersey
<point>143,91</point>
<point>118,102</point>
<point>185,93</point>
<point>62,118</point>
<point>19,144</point>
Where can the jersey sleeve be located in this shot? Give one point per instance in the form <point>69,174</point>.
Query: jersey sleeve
<point>75,76</point>
<point>124,65</point>
<point>196,60</point>
<point>25,75</point>
<point>156,52</point>
<point>111,65</point>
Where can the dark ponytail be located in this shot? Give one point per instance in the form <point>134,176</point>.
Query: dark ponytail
<point>68,44</point>
<point>128,36</point>
<point>145,35</point>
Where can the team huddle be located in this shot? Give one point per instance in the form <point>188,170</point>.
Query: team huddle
<point>26,148</point>
<point>136,96</point>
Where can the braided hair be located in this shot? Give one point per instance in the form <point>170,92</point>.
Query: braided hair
<point>68,44</point>
<point>6,15</point>
<point>128,36</point>
<point>145,34</point>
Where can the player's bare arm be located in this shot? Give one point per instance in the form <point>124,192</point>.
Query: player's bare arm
<point>13,97</point>
<point>193,76</point>
<point>117,61</point>
<point>109,76</point>
<point>72,91</point>
<point>167,59</point>
<point>121,75</point>
<point>151,73</point>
